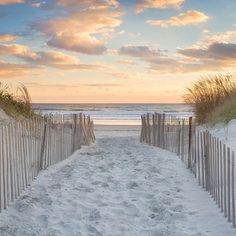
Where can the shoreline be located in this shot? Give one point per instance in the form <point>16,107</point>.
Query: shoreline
<point>116,130</point>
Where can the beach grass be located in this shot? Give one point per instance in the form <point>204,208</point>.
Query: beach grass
<point>223,113</point>
<point>208,94</point>
<point>16,105</point>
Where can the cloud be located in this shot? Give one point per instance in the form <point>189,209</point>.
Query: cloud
<point>122,32</point>
<point>175,66</point>
<point>6,2</point>
<point>84,31</point>
<point>38,4</point>
<point>210,38</point>
<point>78,43</point>
<point>8,70</point>
<point>183,19</point>
<point>61,61</point>
<point>54,59</point>
<point>91,21</point>
<point>125,62</point>
<point>146,4</point>
<point>50,58</point>
<point>7,37</point>
<point>155,58</point>
<point>124,75</point>
<point>216,51</point>
<point>16,50</point>
<point>218,56</point>
<point>88,3</point>
<point>101,85</point>
<point>139,51</point>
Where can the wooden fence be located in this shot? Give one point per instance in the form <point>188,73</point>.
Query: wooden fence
<point>210,160</point>
<point>30,145</point>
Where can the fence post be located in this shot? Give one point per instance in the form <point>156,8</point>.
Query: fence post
<point>228,183</point>
<point>163,130</point>
<point>142,129</point>
<point>148,129</point>
<point>189,141</point>
<point>81,134</point>
<point>178,137</point>
<point>43,144</point>
<point>153,130</point>
<point>233,196</point>
<point>159,130</point>
<point>182,141</point>
<point>206,155</point>
<point>74,132</point>
<point>225,183</point>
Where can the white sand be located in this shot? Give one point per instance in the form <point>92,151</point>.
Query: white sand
<point>116,187</point>
<point>4,118</point>
<point>226,133</point>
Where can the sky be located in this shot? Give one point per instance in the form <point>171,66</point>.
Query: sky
<point>114,51</point>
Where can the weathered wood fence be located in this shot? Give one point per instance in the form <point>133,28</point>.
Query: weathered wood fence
<point>30,145</point>
<point>210,160</point>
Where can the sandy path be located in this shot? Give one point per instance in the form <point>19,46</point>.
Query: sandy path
<point>115,187</point>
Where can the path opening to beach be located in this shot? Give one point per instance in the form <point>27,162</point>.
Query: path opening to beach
<point>116,186</point>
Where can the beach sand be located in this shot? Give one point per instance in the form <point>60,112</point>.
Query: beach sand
<point>226,133</point>
<point>117,187</point>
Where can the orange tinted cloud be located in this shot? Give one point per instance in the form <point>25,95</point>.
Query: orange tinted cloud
<point>61,61</point>
<point>215,51</point>
<point>8,70</point>
<point>139,51</point>
<point>16,50</point>
<point>78,43</point>
<point>210,38</point>
<point>5,2</point>
<point>82,31</point>
<point>183,19</point>
<point>125,62</point>
<point>49,58</point>
<point>124,75</point>
<point>146,4</point>
<point>88,3</point>
<point>218,56</point>
<point>7,37</point>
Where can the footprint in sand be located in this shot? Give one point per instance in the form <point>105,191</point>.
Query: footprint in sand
<point>93,231</point>
<point>55,186</point>
<point>102,169</point>
<point>130,209</point>
<point>132,185</point>
<point>43,220</point>
<point>177,208</point>
<point>94,215</point>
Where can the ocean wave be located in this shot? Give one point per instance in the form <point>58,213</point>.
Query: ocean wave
<point>107,113</point>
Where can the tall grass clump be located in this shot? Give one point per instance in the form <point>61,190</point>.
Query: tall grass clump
<point>223,113</point>
<point>209,93</point>
<point>16,105</point>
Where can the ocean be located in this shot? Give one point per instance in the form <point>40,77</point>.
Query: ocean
<point>115,114</point>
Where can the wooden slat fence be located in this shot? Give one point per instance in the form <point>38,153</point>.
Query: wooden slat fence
<point>30,145</point>
<point>210,160</point>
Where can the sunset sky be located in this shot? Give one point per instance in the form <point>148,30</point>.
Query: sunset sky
<point>78,51</point>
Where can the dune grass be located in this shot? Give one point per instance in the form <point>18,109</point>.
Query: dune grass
<point>209,93</point>
<point>16,105</point>
<point>223,113</point>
